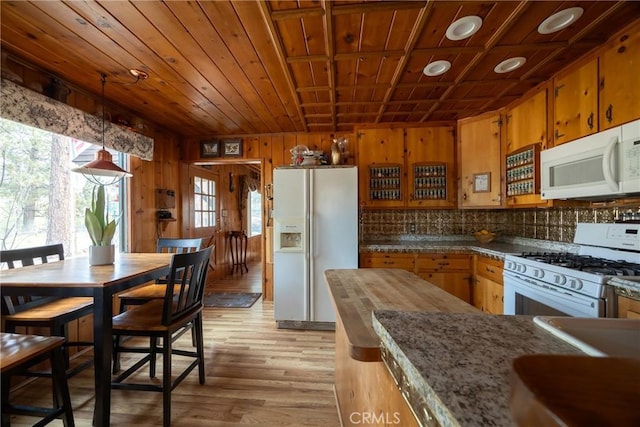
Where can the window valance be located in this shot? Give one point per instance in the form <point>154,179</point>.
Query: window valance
<point>31,108</point>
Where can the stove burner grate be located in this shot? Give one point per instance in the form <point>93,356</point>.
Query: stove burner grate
<point>585,263</point>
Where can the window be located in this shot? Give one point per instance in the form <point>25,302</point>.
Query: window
<point>41,201</point>
<point>254,218</point>
<point>204,192</point>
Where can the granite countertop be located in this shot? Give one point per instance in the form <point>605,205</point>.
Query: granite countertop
<point>498,249</point>
<point>459,365</point>
<point>626,287</point>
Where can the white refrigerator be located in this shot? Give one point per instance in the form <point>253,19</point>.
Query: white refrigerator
<point>315,212</point>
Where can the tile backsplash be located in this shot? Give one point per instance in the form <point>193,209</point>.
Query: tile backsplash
<point>557,224</point>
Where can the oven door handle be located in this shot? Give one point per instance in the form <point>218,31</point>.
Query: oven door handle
<point>607,170</point>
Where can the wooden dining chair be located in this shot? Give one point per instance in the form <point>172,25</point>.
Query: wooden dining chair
<point>156,290</point>
<point>18,353</point>
<point>164,319</point>
<point>53,313</point>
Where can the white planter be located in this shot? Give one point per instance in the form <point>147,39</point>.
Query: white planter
<point>101,255</point>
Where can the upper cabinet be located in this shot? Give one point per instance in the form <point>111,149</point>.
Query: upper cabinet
<point>430,154</point>
<point>598,94</point>
<point>575,96</point>
<point>381,170</point>
<point>526,134</point>
<point>480,161</point>
<point>407,167</point>
<point>619,81</point>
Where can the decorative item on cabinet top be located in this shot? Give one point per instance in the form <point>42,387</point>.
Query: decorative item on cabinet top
<point>523,170</point>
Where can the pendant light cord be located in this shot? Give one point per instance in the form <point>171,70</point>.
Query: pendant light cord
<point>104,81</point>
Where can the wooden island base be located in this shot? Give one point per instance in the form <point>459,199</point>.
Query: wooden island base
<point>366,393</point>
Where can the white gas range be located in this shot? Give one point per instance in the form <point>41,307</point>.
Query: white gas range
<point>568,284</point>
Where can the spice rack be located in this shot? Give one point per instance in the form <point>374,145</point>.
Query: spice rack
<point>385,182</point>
<point>523,171</point>
<point>430,181</point>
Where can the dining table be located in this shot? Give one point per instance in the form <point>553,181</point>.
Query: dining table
<point>76,277</point>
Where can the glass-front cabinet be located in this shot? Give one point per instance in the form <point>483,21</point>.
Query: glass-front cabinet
<point>385,182</point>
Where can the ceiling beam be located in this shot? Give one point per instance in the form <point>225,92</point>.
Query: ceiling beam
<point>348,9</point>
<point>286,71</point>
<point>329,47</point>
<point>518,10</point>
<point>412,40</point>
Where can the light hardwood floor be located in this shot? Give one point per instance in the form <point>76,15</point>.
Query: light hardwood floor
<point>255,374</point>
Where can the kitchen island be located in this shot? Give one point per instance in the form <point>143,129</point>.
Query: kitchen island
<point>415,312</point>
<point>365,391</point>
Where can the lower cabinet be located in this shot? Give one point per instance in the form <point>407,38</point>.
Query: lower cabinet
<point>450,272</point>
<point>488,290</point>
<point>628,308</point>
<point>405,261</point>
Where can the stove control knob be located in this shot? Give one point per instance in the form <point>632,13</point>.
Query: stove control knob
<point>521,268</point>
<point>538,273</point>
<point>578,284</point>
<point>510,265</point>
<point>559,279</point>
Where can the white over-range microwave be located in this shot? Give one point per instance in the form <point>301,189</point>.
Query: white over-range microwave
<point>600,166</point>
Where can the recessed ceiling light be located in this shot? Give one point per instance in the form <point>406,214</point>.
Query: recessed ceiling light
<point>436,68</point>
<point>561,20</point>
<point>464,27</point>
<point>510,64</point>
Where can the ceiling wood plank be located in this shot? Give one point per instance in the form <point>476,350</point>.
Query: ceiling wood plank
<point>418,26</point>
<point>277,43</point>
<point>516,13</point>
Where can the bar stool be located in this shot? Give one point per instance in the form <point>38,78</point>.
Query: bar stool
<point>238,242</point>
<point>19,352</point>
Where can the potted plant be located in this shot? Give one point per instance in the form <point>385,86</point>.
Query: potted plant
<point>101,229</point>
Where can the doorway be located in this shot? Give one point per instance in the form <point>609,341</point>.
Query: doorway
<point>234,184</point>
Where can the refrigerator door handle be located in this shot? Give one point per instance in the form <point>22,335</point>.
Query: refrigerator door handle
<point>308,265</point>
<point>311,254</point>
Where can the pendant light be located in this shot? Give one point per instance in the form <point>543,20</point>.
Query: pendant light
<point>102,170</point>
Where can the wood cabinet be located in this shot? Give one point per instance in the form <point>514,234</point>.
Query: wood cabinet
<point>405,261</point>
<point>480,162</point>
<point>407,167</point>
<point>430,154</point>
<point>575,98</point>
<point>381,170</point>
<point>488,290</point>
<point>526,135</point>
<point>600,93</point>
<point>450,272</point>
<point>628,308</point>
<point>619,89</point>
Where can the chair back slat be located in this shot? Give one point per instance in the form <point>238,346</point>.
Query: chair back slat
<point>185,285</point>
<point>24,257</point>
<point>178,246</point>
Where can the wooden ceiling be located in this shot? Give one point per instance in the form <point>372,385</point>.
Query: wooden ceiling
<point>253,67</point>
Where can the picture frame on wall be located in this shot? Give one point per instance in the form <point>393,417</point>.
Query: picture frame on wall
<point>482,182</point>
<point>232,148</point>
<point>210,149</point>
